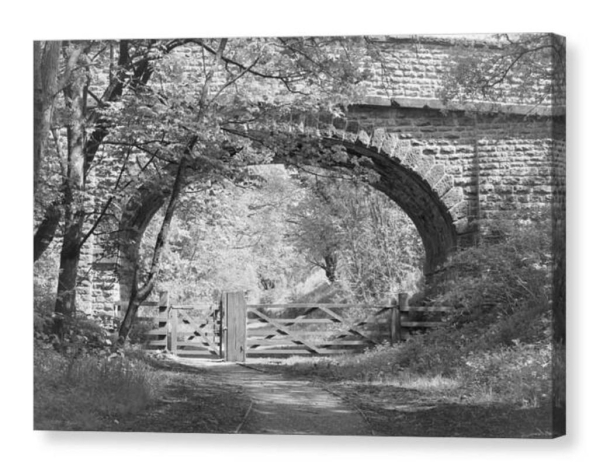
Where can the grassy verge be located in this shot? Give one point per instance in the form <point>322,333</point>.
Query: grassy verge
<point>519,375</point>
<point>89,392</point>
<point>418,388</point>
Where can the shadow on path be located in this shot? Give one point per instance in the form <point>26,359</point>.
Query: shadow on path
<point>286,407</point>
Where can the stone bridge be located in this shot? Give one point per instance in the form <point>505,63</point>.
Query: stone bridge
<point>447,169</point>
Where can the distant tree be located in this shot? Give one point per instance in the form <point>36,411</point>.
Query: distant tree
<point>360,238</point>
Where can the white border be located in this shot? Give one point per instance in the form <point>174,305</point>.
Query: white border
<point>93,453</point>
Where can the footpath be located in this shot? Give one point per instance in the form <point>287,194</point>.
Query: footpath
<point>286,407</point>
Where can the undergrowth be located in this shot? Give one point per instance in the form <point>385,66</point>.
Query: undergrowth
<point>495,347</point>
<point>82,392</point>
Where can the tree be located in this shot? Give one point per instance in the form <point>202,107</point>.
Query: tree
<point>257,82</point>
<point>45,67</point>
<point>85,124</point>
<point>517,68</point>
<point>361,239</point>
<point>529,69</point>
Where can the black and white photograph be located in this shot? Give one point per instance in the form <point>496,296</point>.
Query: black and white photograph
<point>345,235</point>
<point>300,238</point>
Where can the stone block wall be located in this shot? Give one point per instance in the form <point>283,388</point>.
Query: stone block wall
<point>483,165</point>
<point>447,168</point>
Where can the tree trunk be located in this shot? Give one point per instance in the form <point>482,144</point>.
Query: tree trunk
<point>330,267</point>
<point>74,213</point>
<point>131,313</point>
<point>65,306</point>
<point>137,74</point>
<point>139,295</point>
<point>46,58</point>
<point>46,231</point>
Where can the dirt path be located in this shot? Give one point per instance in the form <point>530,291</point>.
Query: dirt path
<point>286,407</point>
<point>216,397</point>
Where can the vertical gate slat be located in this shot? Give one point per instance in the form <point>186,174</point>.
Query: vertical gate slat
<point>163,314</point>
<point>234,306</point>
<point>174,337</point>
<point>403,309</point>
<point>394,322</point>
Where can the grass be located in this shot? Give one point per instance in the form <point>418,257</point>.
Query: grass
<point>84,393</point>
<point>518,375</point>
<point>411,389</point>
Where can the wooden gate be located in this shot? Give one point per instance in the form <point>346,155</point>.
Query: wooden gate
<point>234,330</point>
<point>198,330</point>
<point>184,330</point>
<point>314,329</point>
<point>195,331</point>
<point>329,328</point>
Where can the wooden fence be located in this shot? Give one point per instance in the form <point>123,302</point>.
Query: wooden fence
<point>233,330</point>
<point>329,328</point>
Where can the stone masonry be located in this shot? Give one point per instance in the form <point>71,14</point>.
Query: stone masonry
<point>447,168</point>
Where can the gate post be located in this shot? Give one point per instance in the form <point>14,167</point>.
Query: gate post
<point>403,309</point>
<point>394,322</point>
<point>234,326</point>
<point>400,310</point>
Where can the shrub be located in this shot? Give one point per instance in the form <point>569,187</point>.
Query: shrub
<point>503,275</point>
<point>496,344</point>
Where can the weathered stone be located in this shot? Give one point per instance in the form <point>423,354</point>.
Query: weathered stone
<point>444,185</point>
<point>459,211</point>
<point>389,145</point>
<point>379,136</point>
<point>506,161</point>
<point>363,138</point>
<point>453,197</point>
<point>462,225</point>
<point>435,174</point>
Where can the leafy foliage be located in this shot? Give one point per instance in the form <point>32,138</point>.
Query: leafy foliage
<point>516,68</point>
<point>270,235</point>
<point>510,272</point>
<point>357,235</point>
<point>495,347</point>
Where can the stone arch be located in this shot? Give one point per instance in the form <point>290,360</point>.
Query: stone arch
<point>423,191</point>
<point>411,179</point>
<point>137,214</point>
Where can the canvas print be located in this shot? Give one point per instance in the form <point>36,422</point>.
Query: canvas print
<point>359,236</point>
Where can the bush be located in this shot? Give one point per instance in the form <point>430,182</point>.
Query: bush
<point>81,336</point>
<point>496,344</point>
<point>504,275</point>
